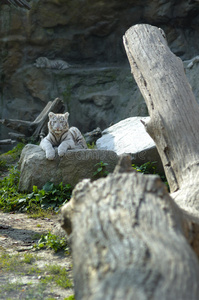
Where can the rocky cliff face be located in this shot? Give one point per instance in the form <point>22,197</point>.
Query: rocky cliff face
<point>98,88</point>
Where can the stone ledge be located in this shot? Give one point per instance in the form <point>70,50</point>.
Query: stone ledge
<point>72,168</point>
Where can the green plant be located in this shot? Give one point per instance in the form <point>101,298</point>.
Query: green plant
<point>150,168</point>
<point>51,196</point>
<point>14,154</point>
<point>28,258</point>
<point>9,194</point>
<point>35,212</point>
<point>11,157</point>
<point>3,165</point>
<point>51,241</point>
<point>91,146</point>
<point>147,168</point>
<point>101,170</point>
<point>39,202</point>
<point>72,297</point>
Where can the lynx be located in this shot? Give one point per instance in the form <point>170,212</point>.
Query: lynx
<point>61,136</point>
<point>44,62</point>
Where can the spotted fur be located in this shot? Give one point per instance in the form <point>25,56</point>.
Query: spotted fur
<point>61,136</point>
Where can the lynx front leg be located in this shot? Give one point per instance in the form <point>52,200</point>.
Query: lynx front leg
<point>48,148</point>
<point>64,146</point>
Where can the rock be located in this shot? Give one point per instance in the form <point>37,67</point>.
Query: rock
<point>92,136</point>
<point>72,168</point>
<point>126,136</point>
<point>130,136</point>
<point>88,36</point>
<point>192,71</point>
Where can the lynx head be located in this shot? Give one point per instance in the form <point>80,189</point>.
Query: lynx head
<point>41,62</point>
<point>58,123</point>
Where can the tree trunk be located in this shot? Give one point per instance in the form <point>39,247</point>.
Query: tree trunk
<point>128,242</point>
<point>38,127</point>
<point>174,123</point>
<point>128,234</point>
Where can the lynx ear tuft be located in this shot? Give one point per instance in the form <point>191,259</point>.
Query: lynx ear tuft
<point>51,114</point>
<point>66,114</point>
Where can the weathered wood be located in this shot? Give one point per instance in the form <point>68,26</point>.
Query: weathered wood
<point>128,242</point>
<point>7,142</point>
<point>174,123</point>
<point>19,3</point>
<point>21,126</point>
<point>128,234</point>
<point>17,136</point>
<point>40,123</point>
<point>38,127</point>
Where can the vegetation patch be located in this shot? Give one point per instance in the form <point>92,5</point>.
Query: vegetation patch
<point>91,145</point>
<point>22,284</point>
<point>57,275</point>
<point>49,198</point>
<point>9,196</point>
<point>150,168</point>
<point>10,157</point>
<point>51,241</point>
<point>101,170</point>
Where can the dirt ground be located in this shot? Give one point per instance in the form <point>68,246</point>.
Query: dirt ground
<point>24,271</point>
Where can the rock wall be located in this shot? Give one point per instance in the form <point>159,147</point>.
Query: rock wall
<point>98,88</point>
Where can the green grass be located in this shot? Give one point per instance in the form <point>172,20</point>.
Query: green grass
<point>58,275</point>
<point>72,297</point>
<point>28,258</point>
<point>10,157</point>
<point>24,265</point>
<point>16,263</point>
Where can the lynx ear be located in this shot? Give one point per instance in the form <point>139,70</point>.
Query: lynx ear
<point>66,115</point>
<point>51,114</point>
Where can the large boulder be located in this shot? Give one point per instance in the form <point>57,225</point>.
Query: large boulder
<point>72,168</point>
<point>130,136</point>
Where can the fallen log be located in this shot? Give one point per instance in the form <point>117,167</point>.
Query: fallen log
<point>128,242</point>
<point>7,142</point>
<point>130,238</point>
<point>18,3</point>
<point>37,128</point>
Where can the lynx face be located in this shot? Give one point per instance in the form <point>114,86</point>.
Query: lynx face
<point>41,62</point>
<point>61,136</point>
<point>58,123</point>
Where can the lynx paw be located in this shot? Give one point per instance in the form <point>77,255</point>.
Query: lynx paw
<point>50,156</point>
<point>61,152</point>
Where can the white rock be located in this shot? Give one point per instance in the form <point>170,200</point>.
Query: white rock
<point>130,136</point>
<point>127,136</point>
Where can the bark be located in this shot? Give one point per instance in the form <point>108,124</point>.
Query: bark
<point>128,242</point>
<point>174,123</point>
<point>130,238</point>
<point>37,128</point>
